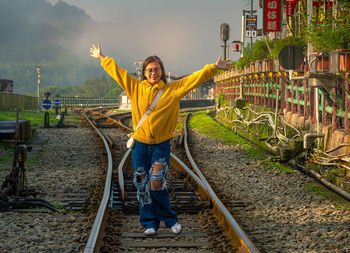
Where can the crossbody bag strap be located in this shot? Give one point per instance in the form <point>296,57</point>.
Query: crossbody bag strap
<point>150,109</point>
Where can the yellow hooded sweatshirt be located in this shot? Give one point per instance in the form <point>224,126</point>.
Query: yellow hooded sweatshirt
<point>159,126</point>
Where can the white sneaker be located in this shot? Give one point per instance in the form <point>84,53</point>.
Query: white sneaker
<point>176,229</point>
<point>150,231</point>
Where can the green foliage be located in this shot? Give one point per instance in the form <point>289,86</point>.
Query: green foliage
<point>248,57</point>
<point>344,5</point>
<point>315,189</point>
<point>61,73</point>
<point>35,118</point>
<point>260,50</point>
<point>220,99</point>
<point>242,62</point>
<point>96,87</point>
<point>276,165</point>
<point>330,35</point>
<point>5,154</point>
<point>323,191</point>
<point>291,40</point>
<point>114,93</point>
<point>207,125</point>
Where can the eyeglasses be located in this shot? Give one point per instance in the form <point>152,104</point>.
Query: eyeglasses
<point>150,70</point>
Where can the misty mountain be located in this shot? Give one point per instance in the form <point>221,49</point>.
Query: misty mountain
<point>29,22</point>
<point>35,32</point>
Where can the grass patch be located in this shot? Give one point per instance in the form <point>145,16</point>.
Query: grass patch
<point>208,126</point>
<point>280,167</point>
<point>37,155</point>
<point>321,190</point>
<point>37,118</point>
<point>316,189</point>
<point>5,155</point>
<point>57,205</point>
<point>32,161</point>
<point>179,129</point>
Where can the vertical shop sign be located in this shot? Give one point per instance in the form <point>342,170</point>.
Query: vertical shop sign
<point>290,7</point>
<point>272,15</point>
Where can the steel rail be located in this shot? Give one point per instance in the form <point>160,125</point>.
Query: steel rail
<point>95,231</point>
<point>127,154</point>
<point>176,159</point>
<point>173,157</point>
<point>125,157</point>
<point>246,243</point>
<point>189,171</point>
<point>120,173</point>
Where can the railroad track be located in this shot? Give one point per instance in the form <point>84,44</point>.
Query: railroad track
<point>208,226</point>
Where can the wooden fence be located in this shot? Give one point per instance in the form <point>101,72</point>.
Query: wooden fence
<point>9,101</point>
<point>262,81</point>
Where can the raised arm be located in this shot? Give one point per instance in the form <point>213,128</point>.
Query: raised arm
<point>96,52</point>
<point>192,81</point>
<point>223,64</point>
<point>120,75</point>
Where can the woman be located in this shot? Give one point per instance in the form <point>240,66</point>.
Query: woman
<point>151,152</point>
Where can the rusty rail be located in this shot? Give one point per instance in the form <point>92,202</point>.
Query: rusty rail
<point>232,227</point>
<point>96,229</point>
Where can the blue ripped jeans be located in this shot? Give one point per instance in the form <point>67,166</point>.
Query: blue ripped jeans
<point>154,204</point>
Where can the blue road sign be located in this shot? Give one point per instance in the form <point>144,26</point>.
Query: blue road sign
<point>56,102</point>
<point>46,104</point>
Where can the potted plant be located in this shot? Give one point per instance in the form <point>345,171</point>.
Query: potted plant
<point>333,38</point>
<point>340,46</point>
<point>279,44</point>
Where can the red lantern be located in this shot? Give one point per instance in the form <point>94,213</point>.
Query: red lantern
<point>236,48</point>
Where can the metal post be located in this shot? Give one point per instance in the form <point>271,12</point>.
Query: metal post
<point>241,87</point>
<point>335,120</point>
<point>242,34</point>
<point>346,109</point>
<point>309,14</point>
<point>138,69</point>
<point>283,94</point>
<point>224,48</point>
<point>38,71</point>
<point>251,13</point>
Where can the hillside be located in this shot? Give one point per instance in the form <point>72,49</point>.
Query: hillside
<point>37,33</point>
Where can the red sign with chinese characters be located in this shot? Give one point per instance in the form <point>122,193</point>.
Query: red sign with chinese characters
<point>272,16</point>
<point>290,7</point>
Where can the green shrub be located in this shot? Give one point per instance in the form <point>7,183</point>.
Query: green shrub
<point>291,40</point>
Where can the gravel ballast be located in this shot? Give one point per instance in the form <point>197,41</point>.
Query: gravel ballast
<point>68,164</point>
<point>281,214</point>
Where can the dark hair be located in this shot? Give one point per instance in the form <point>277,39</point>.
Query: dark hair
<point>150,59</point>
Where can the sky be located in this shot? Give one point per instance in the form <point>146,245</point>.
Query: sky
<point>185,34</point>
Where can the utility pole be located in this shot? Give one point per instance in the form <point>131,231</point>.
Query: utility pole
<point>38,71</point>
<point>138,69</point>
<point>242,33</point>
<point>251,13</point>
<point>309,17</point>
<point>169,77</point>
<point>225,35</point>
<point>249,25</point>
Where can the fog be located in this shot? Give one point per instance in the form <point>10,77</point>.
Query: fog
<point>184,33</point>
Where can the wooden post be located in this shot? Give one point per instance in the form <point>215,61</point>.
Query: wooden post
<point>346,109</point>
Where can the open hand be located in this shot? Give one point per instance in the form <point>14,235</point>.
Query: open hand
<point>223,64</point>
<point>96,52</point>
